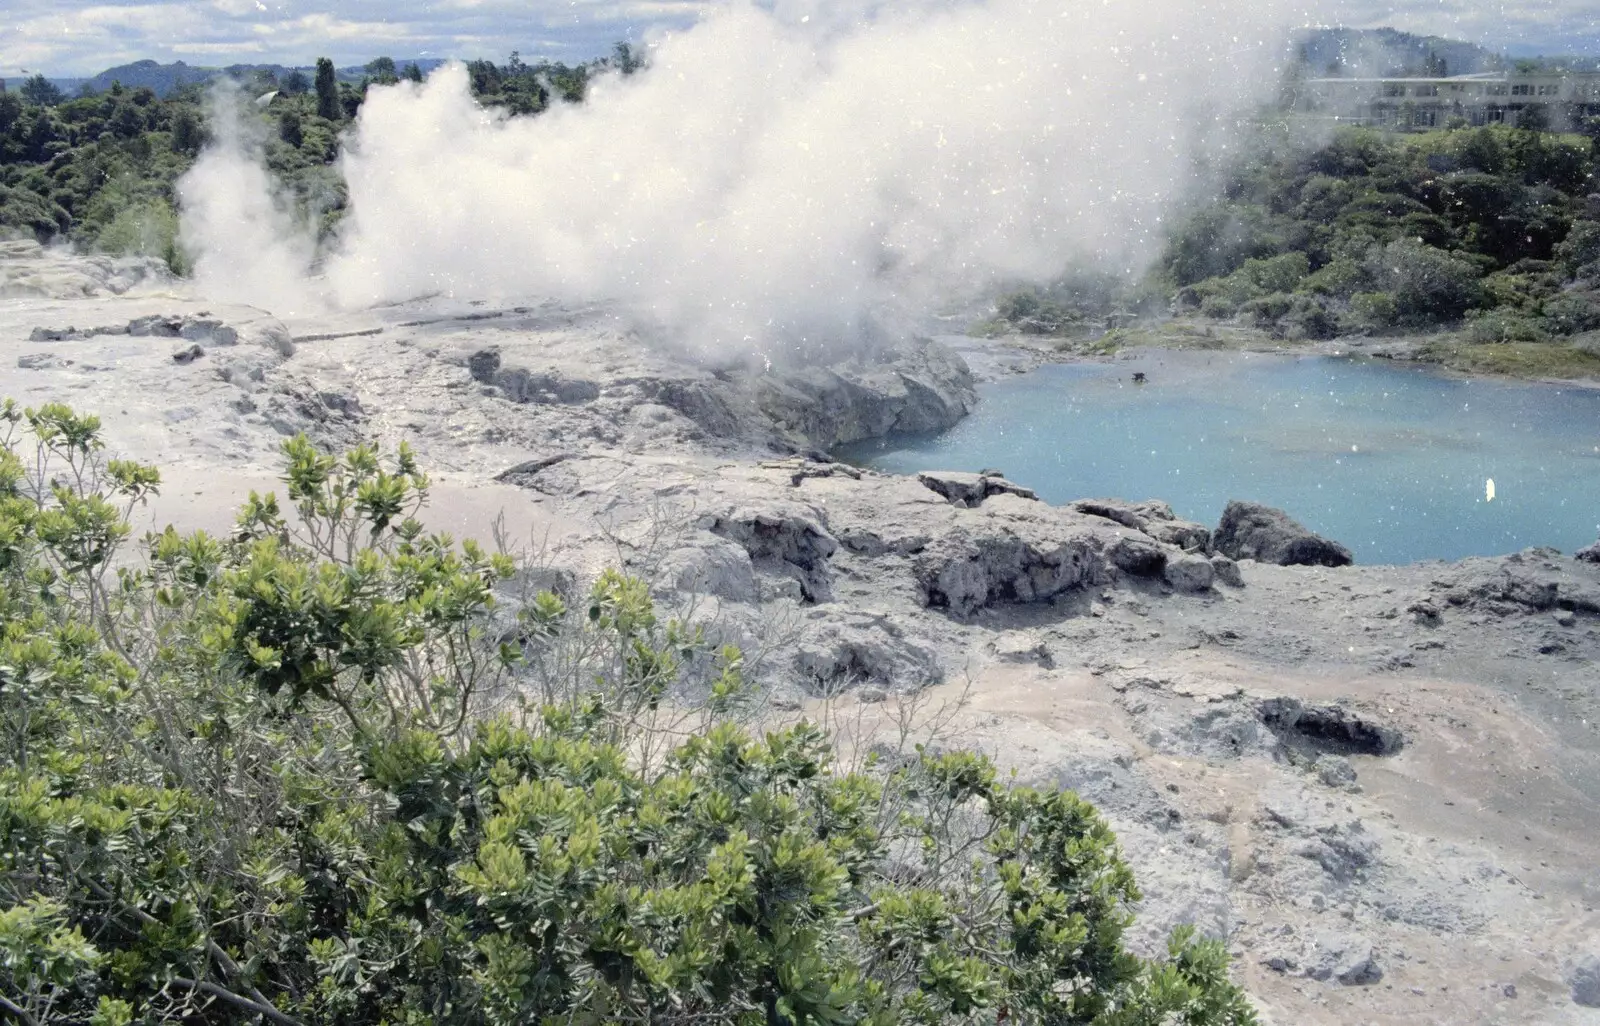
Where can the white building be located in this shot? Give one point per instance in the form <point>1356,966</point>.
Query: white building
<point>1566,99</point>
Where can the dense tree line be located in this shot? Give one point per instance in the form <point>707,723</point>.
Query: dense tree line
<point>100,169</point>
<point>1491,229</point>
<point>1373,232</point>
<point>328,769</point>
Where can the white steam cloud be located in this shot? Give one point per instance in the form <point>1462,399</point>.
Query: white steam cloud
<point>775,181</point>
<point>246,244</point>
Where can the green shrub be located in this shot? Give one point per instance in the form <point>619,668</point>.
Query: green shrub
<point>1265,311</point>
<point>1309,317</point>
<point>1428,285</point>
<point>1504,326</point>
<point>150,229</point>
<point>1579,252</point>
<point>312,772</point>
<point>1338,279</point>
<point>1572,313</point>
<point>1371,311</point>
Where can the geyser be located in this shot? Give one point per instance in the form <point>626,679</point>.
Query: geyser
<point>773,183</point>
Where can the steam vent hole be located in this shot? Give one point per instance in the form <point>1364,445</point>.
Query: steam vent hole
<point>1328,729</point>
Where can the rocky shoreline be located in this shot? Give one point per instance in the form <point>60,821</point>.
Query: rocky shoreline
<point>1380,784</point>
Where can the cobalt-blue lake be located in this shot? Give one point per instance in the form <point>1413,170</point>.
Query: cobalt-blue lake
<point>1392,460</point>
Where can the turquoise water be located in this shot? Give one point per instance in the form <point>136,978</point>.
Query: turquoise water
<point>1393,461</point>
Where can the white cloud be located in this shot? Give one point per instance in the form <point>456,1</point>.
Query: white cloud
<point>68,37</point>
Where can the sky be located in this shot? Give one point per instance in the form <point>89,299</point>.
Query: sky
<point>82,37</point>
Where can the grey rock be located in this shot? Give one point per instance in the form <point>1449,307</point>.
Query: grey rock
<point>1589,553</point>
<point>969,490</point>
<point>1016,647</point>
<point>1348,959</point>
<point>791,542</point>
<point>918,386</point>
<point>40,361</point>
<point>158,325</point>
<point>1534,580</point>
<point>1138,556</point>
<point>208,329</point>
<point>1015,551</point>
<point>188,354</point>
<point>864,654</point>
<point>1250,530</point>
<point>1328,729</point>
<point>1584,978</point>
<point>710,565</point>
<point>1227,571</point>
<point>1335,771</point>
<point>1151,517</point>
<point>1190,573</point>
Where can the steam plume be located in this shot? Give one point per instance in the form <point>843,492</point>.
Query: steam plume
<point>776,180</point>
<point>246,244</point>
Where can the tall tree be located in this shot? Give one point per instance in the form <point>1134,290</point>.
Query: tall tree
<point>40,90</point>
<point>381,70</point>
<point>327,90</point>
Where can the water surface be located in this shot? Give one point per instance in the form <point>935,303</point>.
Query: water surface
<point>1393,461</point>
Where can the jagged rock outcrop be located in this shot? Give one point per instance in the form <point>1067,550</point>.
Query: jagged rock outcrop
<point>1589,553</point>
<point>918,386</point>
<point>969,490</point>
<point>1017,550</point>
<point>1535,580</point>
<point>1250,530</point>
<point>522,385</point>
<point>872,655</point>
<point>28,269</point>
<point>790,542</point>
<point>1349,959</point>
<point>1151,517</point>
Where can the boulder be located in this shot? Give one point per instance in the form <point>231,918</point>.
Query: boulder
<point>1250,530</point>
<point>1534,580</point>
<point>916,386</point>
<point>1190,573</point>
<point>1349,959</point>
<point>786,540</point>
<point>1584,978</point>
<point>1017,551</point>
<point>1588,554</point>
<point>1151,517</point>
<point>969,490</point>
<point>869,655</point>
<point>1227,571</point>
<point>1138,555</point>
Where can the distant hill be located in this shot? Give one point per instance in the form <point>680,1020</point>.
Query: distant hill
<point>1384,52</point>
<point>164,78</point>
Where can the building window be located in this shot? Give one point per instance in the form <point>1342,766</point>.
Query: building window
<point>1496,115</point>
<point>1522,90</point>
<point>1495,90</point>
<point>1394,90</point>
<point>1549,90</point>
<point>1427,90</point>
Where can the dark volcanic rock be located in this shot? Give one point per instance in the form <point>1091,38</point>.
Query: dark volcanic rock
<point>1015,551</point>
<point>1588,554</point>
<point>970,490</point>
<point>1152,517</point>
<point>1250,530</point>
<point>786,541</point>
